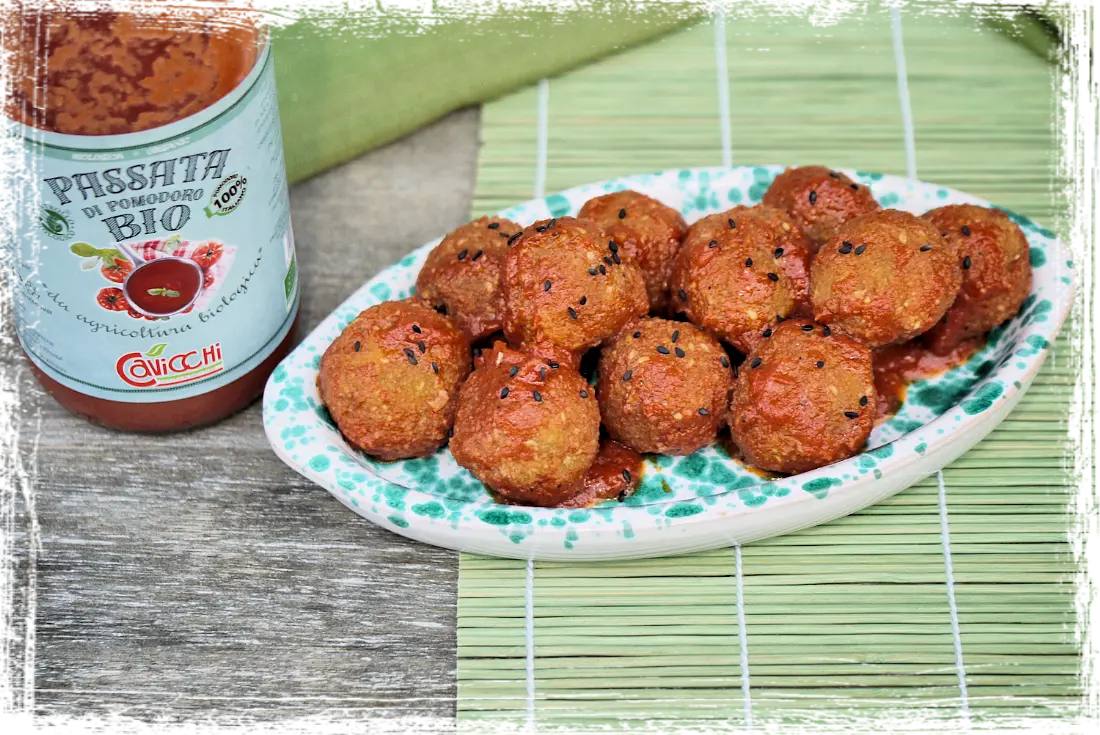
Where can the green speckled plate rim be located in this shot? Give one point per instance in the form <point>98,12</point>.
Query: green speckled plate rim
<point>302,435</point>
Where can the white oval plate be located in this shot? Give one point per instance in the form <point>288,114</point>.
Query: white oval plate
<point>684,504</point>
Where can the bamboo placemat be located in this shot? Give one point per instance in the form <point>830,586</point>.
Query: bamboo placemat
<point>877,611</point>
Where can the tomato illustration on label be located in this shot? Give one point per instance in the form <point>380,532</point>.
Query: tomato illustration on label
<point>112,299</point>
<point>117,270</point>
<point>208,254</point>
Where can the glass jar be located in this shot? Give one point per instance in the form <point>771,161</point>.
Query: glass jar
<point>155,281</point>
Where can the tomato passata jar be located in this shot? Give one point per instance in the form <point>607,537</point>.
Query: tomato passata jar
<point>154,273</point>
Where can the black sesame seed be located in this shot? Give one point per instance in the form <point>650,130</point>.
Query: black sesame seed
<point>417,329</point>
<point>422,347</point>
<point>607,260</point>
<point>679,352</point>
<point>736,372</point>
<point>476,256</point>
<point>537,396</point>
<point>603,271</point>
<point>966,230</point>
<point>773,276</point>
<point>626,475</point>
<point>827,330</point>
<point>613,246</point>
<point>412,360</point>
<point>943,234</point>
<point>966,263</point>
<point>584,394</point>
<point>663,350</point>
<point>767,333</point>
<point>504,234</point>
<point>572,313</point>
<point>821,363</point>
<point>863,400</point>
<point>780,318</point>
<point>546,286</point>
<point>925,248</point>
<point>628,375</point>
<point>676,335</point>
<point>622,214</point>
<point>617,259</point>
<point>494,225</point>
<point>852,414</point>
<point>583,301</point>
<point>860,249</point>
<point>553,365</point>
<point>682,294</point>
<point>357,345</point>
<point>409,353</point>
<point>591,271</point>
<point>779,252</point>
<point>513,371</point>
<point>504,392</point>
<point>755,362</point>
<point>845,248</point>
<point>733,225</point>
<point>513,238</point>
<point>834,175</point>
<point>713,244</point>
<point>807,327</point>
<point>704,412</point>
<point>748,262</point>
<point>636,335</point>
<point>477,352</point>
<point>813,197</point>
<point>551,223</point>
<point>435,368</point>
<point>854,187</point>
<point>462,255</point>
<point>542,374</point>
<point>725,361</point>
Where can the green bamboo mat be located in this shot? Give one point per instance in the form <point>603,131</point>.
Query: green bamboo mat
<point>853,616</point>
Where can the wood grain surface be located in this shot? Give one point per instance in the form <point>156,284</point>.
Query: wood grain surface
<point>195,574</point>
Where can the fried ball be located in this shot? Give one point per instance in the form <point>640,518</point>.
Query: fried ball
<point>819,200</point>
<point>804,398</point>
<point>731,276</point>
<point>527,430</point>
<point>390,380</point>
<point>884,277</point>
<point>664,387</point>
<point>565,290</point>
<point>996,277</point>
<point>646,230</point>
<point>461,276</point>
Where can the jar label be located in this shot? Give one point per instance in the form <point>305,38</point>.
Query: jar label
<point>159,265</point>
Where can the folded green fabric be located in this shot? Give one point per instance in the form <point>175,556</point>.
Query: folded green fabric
<point>1067,32</point>
<point>347,85</point>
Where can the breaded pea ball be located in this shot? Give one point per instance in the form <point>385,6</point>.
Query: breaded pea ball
<point>804,398</point>
<point>646,230</point>
<point>566,289</point>
<point>664,387</point>
<point>819,200</point>
<point>390,380</point>
<point>739,270</point>
<point>461,276</point>
<point>527,430</point>
<point>884,278</point>
<point>996,276</point>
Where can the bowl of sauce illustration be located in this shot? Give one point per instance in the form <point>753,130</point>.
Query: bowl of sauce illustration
<point>163,286</point>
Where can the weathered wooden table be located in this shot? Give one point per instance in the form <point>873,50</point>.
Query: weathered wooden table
<point>197,575</point>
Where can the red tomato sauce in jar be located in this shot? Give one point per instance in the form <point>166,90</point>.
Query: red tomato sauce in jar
<point>173,116</point>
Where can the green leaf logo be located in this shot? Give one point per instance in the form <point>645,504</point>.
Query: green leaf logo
<point>156,350</point>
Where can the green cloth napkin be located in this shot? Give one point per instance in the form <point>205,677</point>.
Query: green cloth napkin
<point>350,84</point>
<point>1067,32</point>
